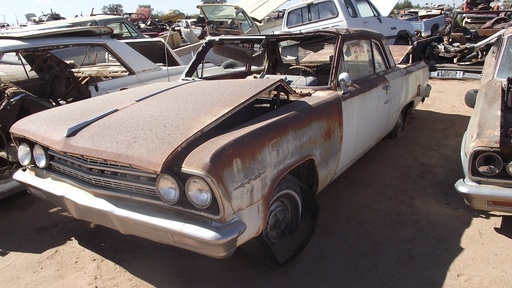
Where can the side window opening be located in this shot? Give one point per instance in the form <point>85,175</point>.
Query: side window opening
<point>245,25</point>
<point>380,63</point>
<point>358,59</point>
<point>351,9</point>
<point>365,9</point>
<point>123,30</point>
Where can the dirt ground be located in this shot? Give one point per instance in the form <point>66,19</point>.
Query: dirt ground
<point>392,220</point>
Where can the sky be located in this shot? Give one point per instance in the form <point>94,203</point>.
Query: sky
<point>13,10</point>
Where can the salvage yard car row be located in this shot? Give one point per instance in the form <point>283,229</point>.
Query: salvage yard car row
<point>196,164</point>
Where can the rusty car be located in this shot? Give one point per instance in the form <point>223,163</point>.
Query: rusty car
<point>230,157</point>
<point>486,150</point>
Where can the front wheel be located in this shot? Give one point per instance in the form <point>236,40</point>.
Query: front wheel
<point>283,213</point>
<point>289,225</point>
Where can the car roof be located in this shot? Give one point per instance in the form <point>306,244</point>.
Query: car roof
<point>57,32</point>
<point>133,59</point>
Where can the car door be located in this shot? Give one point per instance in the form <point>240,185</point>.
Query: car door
<point>366,107</point>
<point>371,17</point>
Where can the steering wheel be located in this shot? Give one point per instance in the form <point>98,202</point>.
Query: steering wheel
<point>301,68</point>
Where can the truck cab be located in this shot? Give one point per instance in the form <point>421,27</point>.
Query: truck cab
<point>322,14</point>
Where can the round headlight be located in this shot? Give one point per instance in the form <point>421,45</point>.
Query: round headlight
<point>24,154</point>
<point>489,164</point>
<point>198,192</point>
<point>40,156</point>
<point>168,189</point>
<point>509,168</point>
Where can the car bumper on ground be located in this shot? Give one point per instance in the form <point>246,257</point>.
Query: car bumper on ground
<point>194,233</point>
<point>485,197</point>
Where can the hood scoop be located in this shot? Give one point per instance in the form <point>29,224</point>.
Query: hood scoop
<point>72,131</point>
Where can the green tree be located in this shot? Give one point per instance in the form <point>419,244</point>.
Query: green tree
<point>152,12</point>
<point>112,9</point>
<point>406,4</point>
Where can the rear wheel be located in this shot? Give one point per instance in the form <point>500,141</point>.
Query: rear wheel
<point>399,126</point>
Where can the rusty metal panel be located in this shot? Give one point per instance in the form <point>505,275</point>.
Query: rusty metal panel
<point>149,121</point>
<point>484,125</point>
<point>247,162</point>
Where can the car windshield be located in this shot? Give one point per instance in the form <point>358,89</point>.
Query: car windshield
<point>219,12</point>
<point>505,65</point>
<point>302,63</point>
<point>82,60</point>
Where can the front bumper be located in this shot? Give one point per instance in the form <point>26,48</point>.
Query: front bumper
<point>167,226</point>
<point>481,197</point>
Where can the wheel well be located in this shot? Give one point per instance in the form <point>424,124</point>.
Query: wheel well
<point>403,38</point>
<point>307,174</point>
<point>408,108</point>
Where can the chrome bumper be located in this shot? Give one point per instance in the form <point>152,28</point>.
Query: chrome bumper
<point>167,226</point>
<point>479,196</point>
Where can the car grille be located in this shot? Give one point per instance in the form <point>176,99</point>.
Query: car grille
<point>116,177</point>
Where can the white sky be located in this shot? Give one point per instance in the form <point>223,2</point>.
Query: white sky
<point>12,10</point>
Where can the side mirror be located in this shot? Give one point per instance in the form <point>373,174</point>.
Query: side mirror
<point>344,81</point>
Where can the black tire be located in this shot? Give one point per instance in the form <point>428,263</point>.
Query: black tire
<point>288,227</point>
<point>399,126</point>
<point>401,40</point>
<point>434,31</point>
<point>470,98</point>
<point>283,213</point>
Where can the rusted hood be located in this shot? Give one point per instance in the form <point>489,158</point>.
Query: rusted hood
<point>139,126</point>
<point>484,125</point>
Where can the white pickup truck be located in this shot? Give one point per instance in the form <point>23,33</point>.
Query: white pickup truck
<point>322,14</point>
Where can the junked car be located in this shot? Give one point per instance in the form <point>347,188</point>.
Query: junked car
<point>123,28</point>
<point>44,69</point>
<point>461,51</point>
<point>225,158</point>
<point>486,150</point>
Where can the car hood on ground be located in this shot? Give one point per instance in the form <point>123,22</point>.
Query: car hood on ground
<point>140,126</point>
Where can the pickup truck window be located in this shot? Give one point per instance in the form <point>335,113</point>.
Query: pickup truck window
<point>380,64</point>
<point>312,13</point>
<point>245,24</point>
<point>366,9</point>
<point>360,61</point>
<point>351,9</point>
